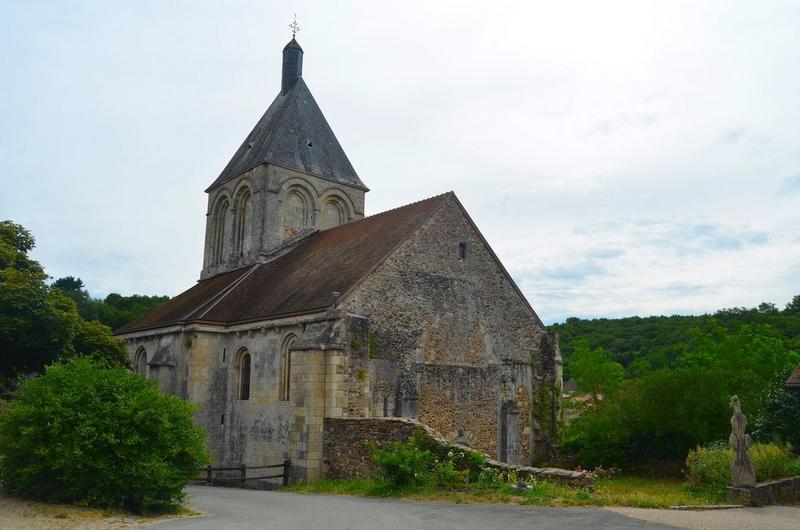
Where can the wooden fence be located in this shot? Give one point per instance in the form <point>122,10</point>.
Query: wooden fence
<point>243,469</point>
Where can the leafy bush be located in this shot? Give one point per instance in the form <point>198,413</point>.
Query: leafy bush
<point>774,461</point>
<point>404,464</point>
<point>489,477</point>
<point>422,460</point>
<point>709,467</point>
<point>777,417</point>
<point>102,437</point>
<point>445,475</point>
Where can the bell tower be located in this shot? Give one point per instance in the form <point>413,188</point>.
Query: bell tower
<point>289,178</point>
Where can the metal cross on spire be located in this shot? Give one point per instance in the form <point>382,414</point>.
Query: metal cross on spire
<point>294,26</point>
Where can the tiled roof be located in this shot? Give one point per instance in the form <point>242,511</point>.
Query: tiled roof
<point>300,281</point>
<point>293,133</point>
<point>794,379</point>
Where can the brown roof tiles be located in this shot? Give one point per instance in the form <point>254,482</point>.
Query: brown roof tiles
<point>300,281</point>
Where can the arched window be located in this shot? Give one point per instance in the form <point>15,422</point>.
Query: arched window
<point>220,227</point>
<point>294,212</point>
<point>244,223</point>
<point>332,214</point>
<point>286,366</point>
<point>140,361</point>
<point>244,375</point>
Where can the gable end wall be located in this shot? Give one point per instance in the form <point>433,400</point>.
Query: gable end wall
<point>452,342</point>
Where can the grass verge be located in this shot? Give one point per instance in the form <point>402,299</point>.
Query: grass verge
<point>619,491</point>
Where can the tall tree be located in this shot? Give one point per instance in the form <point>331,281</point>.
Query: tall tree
<point>594,372</point>
<point>38,322</point>
<point>115,310</point>
<point>793,307</point>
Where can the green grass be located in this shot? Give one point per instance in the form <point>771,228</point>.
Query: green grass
<point>620,491</point>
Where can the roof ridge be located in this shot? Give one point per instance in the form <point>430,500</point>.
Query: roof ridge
<point>379,214</point>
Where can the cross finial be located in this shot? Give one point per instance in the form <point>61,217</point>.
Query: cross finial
<point>294,26</point>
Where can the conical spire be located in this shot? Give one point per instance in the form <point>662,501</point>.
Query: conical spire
<point>292,65</point>
<point>293,133</point>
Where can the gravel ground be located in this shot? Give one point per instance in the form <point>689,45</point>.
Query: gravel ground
<point>771,517</point>
<point>21,514</point>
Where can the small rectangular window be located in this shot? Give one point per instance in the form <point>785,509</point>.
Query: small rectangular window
<point>223,354</point>
<point>286,375</point>
<point>462,250</point>
<point>222,420</point>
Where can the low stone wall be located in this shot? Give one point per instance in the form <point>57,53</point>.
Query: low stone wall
<point>345,454</point>
<point>779,491</point>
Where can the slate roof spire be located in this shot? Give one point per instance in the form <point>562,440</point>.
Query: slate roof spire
<point>292,65</point>
<point>293,133</point>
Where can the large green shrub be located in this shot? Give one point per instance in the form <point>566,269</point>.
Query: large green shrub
<point>86,434</point>
<point>422,460</point>
<point>404,464</point>
<point>709,467</point>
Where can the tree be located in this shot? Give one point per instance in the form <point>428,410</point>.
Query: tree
<point>38,322</point>
<point>777,417</point>
<point>74,288</point>
<point>86,434</point>
<point>594,372</point>
<point>115,311</point>
<point>70,284</point>
<point>768,308</point>
<point>793,307</point>
<point>661,414</point>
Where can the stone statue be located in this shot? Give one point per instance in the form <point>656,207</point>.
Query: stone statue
<point>743,471</point>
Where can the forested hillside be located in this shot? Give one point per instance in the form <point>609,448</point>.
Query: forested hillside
<point>661,385</point>
<point>657,341</point>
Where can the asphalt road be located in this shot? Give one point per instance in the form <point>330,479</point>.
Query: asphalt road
<point>235,509</point>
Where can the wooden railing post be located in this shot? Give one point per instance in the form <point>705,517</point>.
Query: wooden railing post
<point>287,465</point>
<point>208,473</point>
<point>244,473</point>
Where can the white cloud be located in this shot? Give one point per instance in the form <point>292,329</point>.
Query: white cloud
<point>623,157</point>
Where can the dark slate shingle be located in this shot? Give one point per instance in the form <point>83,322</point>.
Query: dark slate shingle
<point>282,137</point>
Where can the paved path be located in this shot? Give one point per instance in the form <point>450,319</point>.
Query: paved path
<point>768,517</point>
<point>235,509</point>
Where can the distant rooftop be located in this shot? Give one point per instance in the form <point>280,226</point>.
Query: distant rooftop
<point>794,379</point>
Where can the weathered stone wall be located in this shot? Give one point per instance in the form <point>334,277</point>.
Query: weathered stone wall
<point>346,454</point>
<point>344,451</point>
<point>201,365</point>
<point>438,349</point>
<point>461,402</point>
<point>779,491</point>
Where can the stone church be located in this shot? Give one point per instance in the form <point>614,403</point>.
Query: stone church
<point>307,310</point>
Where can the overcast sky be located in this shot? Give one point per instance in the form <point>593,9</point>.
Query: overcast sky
<point>622,158</point>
